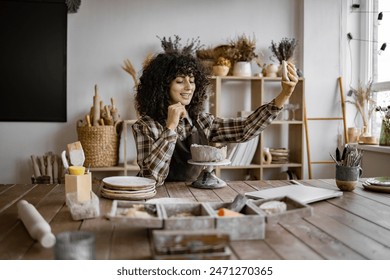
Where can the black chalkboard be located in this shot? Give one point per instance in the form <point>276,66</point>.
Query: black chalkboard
<point>33,42</point>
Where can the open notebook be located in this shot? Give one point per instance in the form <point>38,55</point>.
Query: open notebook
<point>301,193</point>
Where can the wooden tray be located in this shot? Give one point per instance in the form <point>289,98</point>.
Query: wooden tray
<point>200,218</point>
<point>119,210</point>
<point>295,209</point>
<point>250,226</point>
<point>190,245</point>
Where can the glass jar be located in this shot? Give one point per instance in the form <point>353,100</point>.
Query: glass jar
<point>384,139</point>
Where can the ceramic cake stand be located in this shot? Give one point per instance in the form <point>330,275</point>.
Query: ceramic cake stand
<point>207,178</point>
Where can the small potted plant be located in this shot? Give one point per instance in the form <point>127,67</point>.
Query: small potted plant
<point>222,66</point>
<point>242,52</point>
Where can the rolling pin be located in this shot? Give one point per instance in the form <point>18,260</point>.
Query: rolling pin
<point>55,169</point>
<point>49,169</point>
<point>108,120</point>
<point>35,224</point>
<point>42,164</point>
<point>37,172</point>
<point>96,107</point>
<point>114,111</point>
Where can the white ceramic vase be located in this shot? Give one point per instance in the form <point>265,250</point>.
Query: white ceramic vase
<point>271,70</point>
<point>242,69</point>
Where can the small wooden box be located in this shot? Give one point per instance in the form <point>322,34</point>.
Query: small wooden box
<point>190,245</point>
<point>186,216</point>
<point>250,226</point>
<point>295,209</point>
<point>80,184</point>
<point>120,212</point>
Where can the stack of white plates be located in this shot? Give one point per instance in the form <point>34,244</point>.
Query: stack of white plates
<point>279,155</point>
<point>379,184</point>
<point>128,188</point>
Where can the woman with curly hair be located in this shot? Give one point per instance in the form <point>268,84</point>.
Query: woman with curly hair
<point>169,99</point>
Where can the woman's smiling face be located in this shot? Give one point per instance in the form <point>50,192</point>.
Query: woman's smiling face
<point>181,89</point>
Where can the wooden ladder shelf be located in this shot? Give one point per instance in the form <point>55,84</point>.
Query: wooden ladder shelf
<point>306,119</point>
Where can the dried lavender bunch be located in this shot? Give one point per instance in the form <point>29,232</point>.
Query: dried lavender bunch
<point>284,50</point>
<point>173,45</point>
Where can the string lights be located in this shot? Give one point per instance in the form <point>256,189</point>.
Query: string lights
<point>382,48</point>
<point>356,7</point>
<point>380,17</point>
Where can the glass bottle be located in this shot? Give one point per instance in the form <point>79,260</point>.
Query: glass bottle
<point>384,139</point>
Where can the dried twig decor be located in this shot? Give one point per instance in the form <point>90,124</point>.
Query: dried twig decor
<point>73,5</point>
<point>242,48</point>
<point>205,53</point>
<point>129,68</point>
<point>173,45</point>
<point>284,50</point>
<point>363,101</point>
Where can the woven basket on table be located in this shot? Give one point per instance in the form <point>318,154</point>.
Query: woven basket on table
<point>100,144</point>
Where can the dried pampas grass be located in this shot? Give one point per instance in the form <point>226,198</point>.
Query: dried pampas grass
<point>363,101</point>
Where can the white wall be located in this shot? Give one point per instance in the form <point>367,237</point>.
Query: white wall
<point>328,56</point>
<point>323,59</point>
<point>103,33</point>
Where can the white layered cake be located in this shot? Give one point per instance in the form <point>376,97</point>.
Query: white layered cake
<point>205,153</point>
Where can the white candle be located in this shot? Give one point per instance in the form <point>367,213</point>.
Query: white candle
<point>35,224</point>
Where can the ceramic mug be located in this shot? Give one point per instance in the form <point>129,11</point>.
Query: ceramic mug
<point>347,177</point>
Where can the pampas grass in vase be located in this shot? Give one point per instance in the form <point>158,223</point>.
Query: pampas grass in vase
<point>365,104</point>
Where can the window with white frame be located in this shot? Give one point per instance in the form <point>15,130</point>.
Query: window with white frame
<point>380,66</point>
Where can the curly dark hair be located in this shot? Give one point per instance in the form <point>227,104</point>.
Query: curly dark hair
<point>152,94</point>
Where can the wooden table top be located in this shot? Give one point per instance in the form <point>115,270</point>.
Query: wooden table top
<point>354,226</point>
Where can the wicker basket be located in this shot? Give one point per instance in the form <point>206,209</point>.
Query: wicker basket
<point>100,144</point>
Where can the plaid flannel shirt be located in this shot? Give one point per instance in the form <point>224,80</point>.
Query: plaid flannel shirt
<point>156,143</point>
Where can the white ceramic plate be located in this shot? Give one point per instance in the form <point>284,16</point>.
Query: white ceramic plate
<point>379,181</point>
<point>131,192</point>
<point>129,196</point>
<point>128,181</point>
<point>131,188</point>
<point>375,188</point>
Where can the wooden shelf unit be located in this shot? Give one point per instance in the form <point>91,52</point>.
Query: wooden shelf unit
<point>293,131</point>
